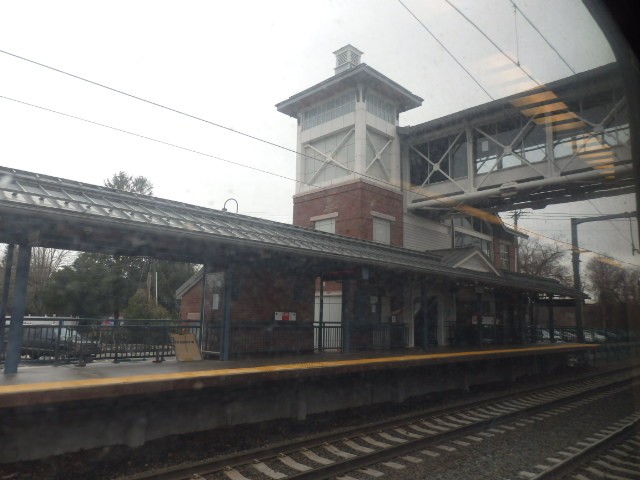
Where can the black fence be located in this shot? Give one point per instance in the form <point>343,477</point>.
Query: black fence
<point>64,340</point>
<point>330,336</point>
<point>247,338</point>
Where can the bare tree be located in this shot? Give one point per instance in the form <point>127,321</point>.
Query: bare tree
<point>129,183</point>
<point>44,263</point>
<point>543,260</point>
<point>610,282</point>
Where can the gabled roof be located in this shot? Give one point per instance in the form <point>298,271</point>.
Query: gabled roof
<point>363,73</point>
<point>464,258</point>
<point>189,284</point>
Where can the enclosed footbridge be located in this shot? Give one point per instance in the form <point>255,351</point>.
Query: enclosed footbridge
<point>561,142</point>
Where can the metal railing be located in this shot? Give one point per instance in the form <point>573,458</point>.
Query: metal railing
<point>260,337</point>
<point>330,336</point>
<point>80,340</point>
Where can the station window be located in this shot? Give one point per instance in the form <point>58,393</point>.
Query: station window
<point>504,256</point>
<point>327,225</point>
<point>462,240</point>
<point>329,110</point>
<point>381,231</point>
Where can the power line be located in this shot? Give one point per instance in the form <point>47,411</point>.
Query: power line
<point>180,112</point>
<point>542,36</point>
<point>191,150</point>
<point>447,50</point>
<point>516,63</point>
<point>150,102</point>
<point>187,149</point>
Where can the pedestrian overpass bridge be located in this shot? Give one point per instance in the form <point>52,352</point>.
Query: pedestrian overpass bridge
<point>562,142</point>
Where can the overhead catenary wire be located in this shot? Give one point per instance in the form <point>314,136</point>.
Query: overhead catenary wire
<point>446,50</point>
<point>194,117</point>
<point>555,50</point>
<point>197,152</point>
<point>516,63</point>
<point>216,124</point>
<point>512,60</point>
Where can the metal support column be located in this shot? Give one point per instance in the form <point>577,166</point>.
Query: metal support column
<point>321,318</point>
<point>424,302</point>
<point>202,306</point>
<point>8,265</point>
<point>225,327</point>
<point>552,334</point>
<point>480,313</point>
<point>575,258</point>
<point>14,339</point>
<point>577,285</point>
<point>346,317</point>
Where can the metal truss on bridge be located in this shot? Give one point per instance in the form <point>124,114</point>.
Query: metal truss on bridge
<point>563,142</point>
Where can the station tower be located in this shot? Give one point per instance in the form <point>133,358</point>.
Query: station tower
<point>348,162</point>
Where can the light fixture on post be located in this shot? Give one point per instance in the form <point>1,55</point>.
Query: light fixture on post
<point>224,207</point>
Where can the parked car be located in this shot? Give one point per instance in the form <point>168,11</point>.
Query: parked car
<point>55,341</point>
<point>594,337</point>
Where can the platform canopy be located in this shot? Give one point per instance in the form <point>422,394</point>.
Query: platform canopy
<point>44,211</point>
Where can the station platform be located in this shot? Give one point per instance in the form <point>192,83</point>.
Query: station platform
<point>48,384</point>
<point>50,410</point>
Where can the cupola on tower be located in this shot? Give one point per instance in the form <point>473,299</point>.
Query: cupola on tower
<point>348,162</point>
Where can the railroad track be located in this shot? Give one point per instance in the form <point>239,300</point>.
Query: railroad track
<point>389,443</point>
<point>613,453</point>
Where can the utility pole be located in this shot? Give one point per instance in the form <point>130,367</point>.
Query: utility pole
<point>575,259</point>
<point>516,215</point>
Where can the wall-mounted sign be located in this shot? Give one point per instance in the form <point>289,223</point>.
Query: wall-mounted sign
<point>285,316</point>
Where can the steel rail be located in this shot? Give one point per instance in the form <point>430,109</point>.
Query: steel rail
<point>574,462</point>
<point>207,467</point>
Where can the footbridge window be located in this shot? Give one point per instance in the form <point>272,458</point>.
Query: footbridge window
<point>439,160</point>
<point>595,124</point>
<point>512,142</point>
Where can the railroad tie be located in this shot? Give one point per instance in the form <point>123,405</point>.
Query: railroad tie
<point>337,452</point>
<point>404,432</point>
<point>374,442</point>
<point>430,453</point>
<point>233,474</point>
<point>291,463</point>
<point>266,470</point>
<point>357,447</point>
<point>616,469</point>
<point>391,438</point>
<point>412,459</point>
<point>418,428</point>
<point>314,457</point>
<point>371,472</point>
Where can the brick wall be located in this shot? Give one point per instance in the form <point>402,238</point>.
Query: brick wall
<point>353,203</point>
<point>191,301</point>
<point>260,289</point>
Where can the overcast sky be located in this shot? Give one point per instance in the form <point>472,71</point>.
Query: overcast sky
<point>231,62</point>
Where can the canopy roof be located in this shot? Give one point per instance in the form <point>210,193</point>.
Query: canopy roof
<point>46,211</point>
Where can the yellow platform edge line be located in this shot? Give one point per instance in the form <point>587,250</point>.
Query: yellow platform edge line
<point>226,372</point>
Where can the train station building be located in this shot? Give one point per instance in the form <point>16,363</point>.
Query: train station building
<point>434,191</point>
<point>396,241</point>
<point>396,244</point>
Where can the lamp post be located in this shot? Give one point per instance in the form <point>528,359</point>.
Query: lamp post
<point>224,207</point>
